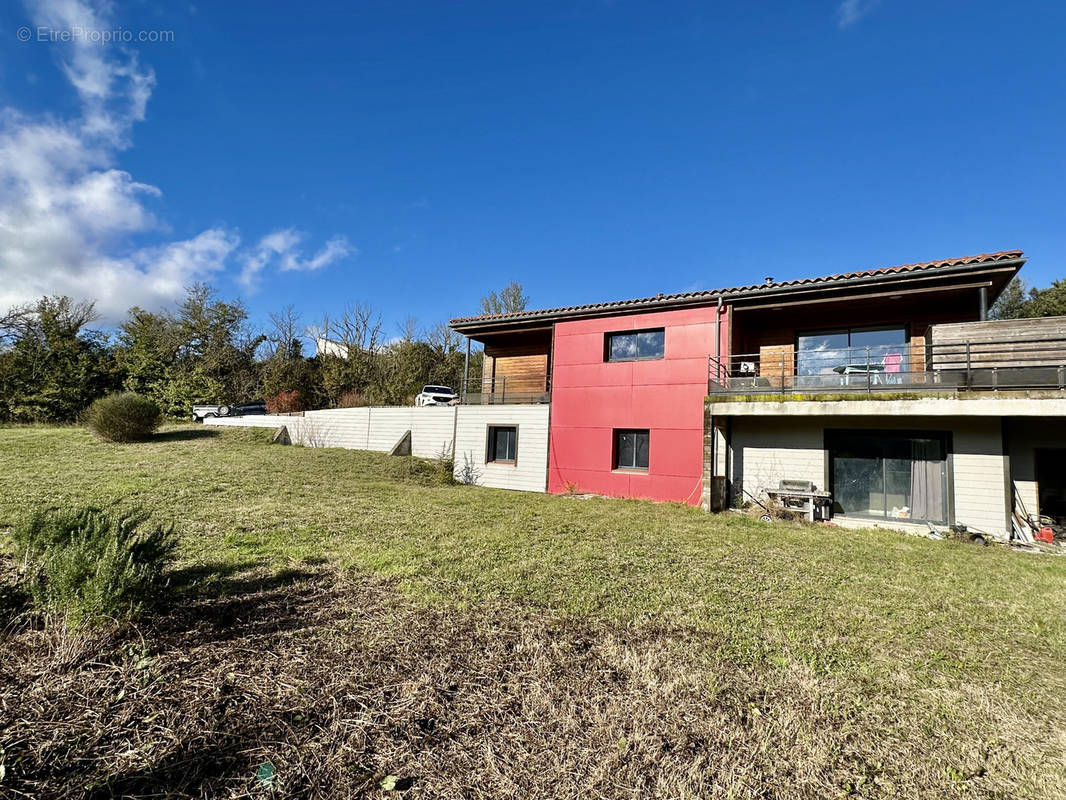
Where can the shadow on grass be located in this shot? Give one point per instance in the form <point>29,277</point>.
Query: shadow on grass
<point>181,663</point>
<point>185,435</point>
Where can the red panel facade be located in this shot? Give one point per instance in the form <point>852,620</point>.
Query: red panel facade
<point>591,398</point>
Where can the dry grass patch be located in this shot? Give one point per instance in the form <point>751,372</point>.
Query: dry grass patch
<point>312,684</point>
<point>507,644</point>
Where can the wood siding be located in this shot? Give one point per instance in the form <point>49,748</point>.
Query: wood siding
<point>998,343</point>
<point>522,368</point>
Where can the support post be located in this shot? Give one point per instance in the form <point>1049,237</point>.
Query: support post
<point>466,373</point>
<point>982,303</point>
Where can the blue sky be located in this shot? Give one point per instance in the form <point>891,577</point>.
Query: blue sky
<point>413,156</point>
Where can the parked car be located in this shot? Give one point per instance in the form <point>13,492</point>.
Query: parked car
<point>436,396</point>
<point>203,411</point>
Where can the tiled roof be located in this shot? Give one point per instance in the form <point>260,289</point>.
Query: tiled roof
<point>713,294</point>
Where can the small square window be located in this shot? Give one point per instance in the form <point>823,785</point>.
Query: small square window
<point>503,444</point>
<point>631,449</point>
<point>635,345</point>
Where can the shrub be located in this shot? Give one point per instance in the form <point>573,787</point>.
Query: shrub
<point>444,466</point>
<point>353,400</point>
<point>89,565</point>
<point>123,417</point>
<point>469,474</point>
<point>285,402</point>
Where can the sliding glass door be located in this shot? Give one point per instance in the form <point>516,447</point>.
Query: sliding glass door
<point>890,475</point>
<point>834,351</point>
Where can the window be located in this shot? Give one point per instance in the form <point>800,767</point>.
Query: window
<point>631,450</point>
<point>503,444</point>
<point>635,345</point>
<point>826,352</point>
<point>889,474</point>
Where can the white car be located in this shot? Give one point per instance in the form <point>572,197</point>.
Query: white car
<point>436,396</point>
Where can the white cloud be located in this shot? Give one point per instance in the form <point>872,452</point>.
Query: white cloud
<point>851,11</point>
<point>67,211</point>
<point>283,247</point>
<point>336,248</point>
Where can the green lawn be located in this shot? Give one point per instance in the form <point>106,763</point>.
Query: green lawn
<point>955,652</point>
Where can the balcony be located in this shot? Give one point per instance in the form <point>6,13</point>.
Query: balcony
<point>507,389</point>
<point>970,365</point>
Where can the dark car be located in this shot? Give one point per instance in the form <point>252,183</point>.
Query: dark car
<point>201,412</point>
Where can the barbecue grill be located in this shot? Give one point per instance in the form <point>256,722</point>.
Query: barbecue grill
<point>802,496</point>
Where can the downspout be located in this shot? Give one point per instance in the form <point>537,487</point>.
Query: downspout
<point>718,339</point>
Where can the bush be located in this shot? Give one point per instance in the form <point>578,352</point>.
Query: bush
<point>353,400</point>
<point>288,402</point>
<point>89,565</point>
<point>124,417</point>
<point>444,466</point>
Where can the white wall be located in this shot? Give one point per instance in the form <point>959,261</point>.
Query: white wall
<point>375,428</point>
<point>253,421</point>
<point>530,470</point>
<point>432,430</point>
<point>363,428</point>
<point>981,499</point>
<point>765,450</point>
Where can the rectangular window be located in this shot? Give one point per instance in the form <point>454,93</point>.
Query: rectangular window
<point>631,450</point>
<point>635,345</point>
<point>889,475</point>
<point>503,444</point>
<point>829,352</point>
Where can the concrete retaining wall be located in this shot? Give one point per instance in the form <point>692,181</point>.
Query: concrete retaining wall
<point>463,430</point>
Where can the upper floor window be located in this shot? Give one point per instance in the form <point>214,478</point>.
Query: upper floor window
<point>636,345</point>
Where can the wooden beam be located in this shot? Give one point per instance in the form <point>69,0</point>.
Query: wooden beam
<point>906,279</point>
<point>853,298</point>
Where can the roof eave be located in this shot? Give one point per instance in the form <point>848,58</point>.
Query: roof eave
<point>499,324</point>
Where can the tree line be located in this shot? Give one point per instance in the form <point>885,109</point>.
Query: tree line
<point>1021,301</point>
<point>54,363</point>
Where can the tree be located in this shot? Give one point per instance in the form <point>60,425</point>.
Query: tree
<point>350,363</point>
<point>1049,302</point>
<point>1010,304</point>
<point>1020,301</point>
<point>146,353</point>
<point>52,366</point>
<point>204,352</point>
<point>285,369</point>
<point>509,300</point>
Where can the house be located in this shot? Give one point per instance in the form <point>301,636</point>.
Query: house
<point>888,388</point>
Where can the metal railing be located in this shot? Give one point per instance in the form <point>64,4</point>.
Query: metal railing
<point>954,366</point>
<point>509,389</point>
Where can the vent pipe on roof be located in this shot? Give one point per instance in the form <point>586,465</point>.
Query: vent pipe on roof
<point>769,280</point>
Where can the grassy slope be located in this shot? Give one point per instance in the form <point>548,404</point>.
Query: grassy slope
<point>958,638</point>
